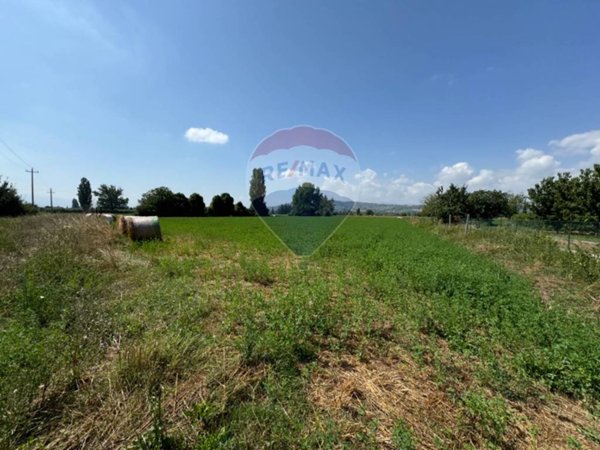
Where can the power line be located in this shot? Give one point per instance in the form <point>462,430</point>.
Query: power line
<point>14,152</point>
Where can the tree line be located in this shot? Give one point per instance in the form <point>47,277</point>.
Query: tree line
<point>456,202</point>
<point>558,198</point>
<point>563,197</point>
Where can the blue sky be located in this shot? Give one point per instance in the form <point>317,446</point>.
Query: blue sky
<point>492,94</point>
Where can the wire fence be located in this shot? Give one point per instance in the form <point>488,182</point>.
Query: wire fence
<point>590,229</point>
<point>567,230</point>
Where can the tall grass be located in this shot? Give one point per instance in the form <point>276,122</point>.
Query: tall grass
<point>53,321</point>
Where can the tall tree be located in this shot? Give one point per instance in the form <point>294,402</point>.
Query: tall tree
<point>309,201</point>
<point>221,205</point>
<point>258,191</point>
<point>197,206</point>
<point>487,205</point>
<point>326,206</point>
<point>84,194</point>
<point>181,205</point>
<point>110,198</point>
<point>75,204</point>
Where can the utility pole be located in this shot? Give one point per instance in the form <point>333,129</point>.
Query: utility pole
<point>51,204</point>
<point>31,171</point>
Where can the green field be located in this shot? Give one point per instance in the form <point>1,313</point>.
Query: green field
<point>303,235</point>
<point>390,335</point>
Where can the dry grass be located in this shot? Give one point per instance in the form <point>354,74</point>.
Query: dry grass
<point>385,389</point>
<point>390,389</point>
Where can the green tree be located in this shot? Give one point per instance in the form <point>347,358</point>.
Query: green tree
<point>487,205</point>
<point>181,205</point>
<point>258,191</point>
<point>370,212</point>
<point>75,204</point>
<point>221,205</point>
<point>10,202</point>
<point>568,198</point>
<point>309,201</point>
<point>517,204</point>
<point>326,206</point>
<point>110,198</point>
<point>161,201</point>
<point>197,206</point>
<point>446,203</point>
<point>589,193</point>
<point>240,210</point>
<point>84,194</point>
<point>283,209</point>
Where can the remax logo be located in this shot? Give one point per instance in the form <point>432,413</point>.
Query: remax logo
<point>307,173</point>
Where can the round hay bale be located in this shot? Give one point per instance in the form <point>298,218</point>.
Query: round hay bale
<point>140,228</point>
<point>122,224</point>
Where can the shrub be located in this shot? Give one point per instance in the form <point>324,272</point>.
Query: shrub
<point>10,202</point>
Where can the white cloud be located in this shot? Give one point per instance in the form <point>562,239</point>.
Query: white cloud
<point>535,162</point>
<point>483,180</point>
<point>368,186</point>
<point>533,165</point>
<point>206,135</point>
<point>459,173</point>
<point>587,143</point>
<point>530,166</point>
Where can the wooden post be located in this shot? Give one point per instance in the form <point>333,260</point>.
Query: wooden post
<point>467,224</point>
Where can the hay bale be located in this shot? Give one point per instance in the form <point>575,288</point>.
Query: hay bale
<point>140,228</point>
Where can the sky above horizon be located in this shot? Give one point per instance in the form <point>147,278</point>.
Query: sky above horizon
<point>139,94</point>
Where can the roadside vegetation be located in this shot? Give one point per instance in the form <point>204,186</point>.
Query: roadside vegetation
<point>219,337</point>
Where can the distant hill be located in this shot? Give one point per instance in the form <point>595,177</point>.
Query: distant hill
<point>378,208</point>
<point>274,199</point>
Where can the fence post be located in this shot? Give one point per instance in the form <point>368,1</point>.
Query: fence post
<point>569,239</point>
<point>449,219</point>
<point>467,224</point>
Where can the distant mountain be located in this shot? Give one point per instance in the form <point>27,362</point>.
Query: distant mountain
<point>274,199</point>
<point>378,208</point>
<point>341,203</point>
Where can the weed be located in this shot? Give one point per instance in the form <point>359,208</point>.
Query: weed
<point>157,438</point>
<point>402,438</point>
<point>488,416</point>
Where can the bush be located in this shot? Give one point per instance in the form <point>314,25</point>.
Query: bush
<point>10,202</point>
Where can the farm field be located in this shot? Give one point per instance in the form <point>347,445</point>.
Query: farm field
<point>391,335</point>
